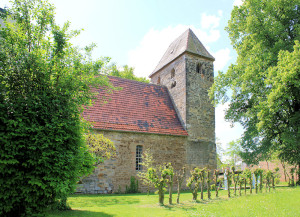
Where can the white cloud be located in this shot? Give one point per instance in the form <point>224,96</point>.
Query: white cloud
<point>222,58</point>
<point>237,2</point>
<point>150,50</point>
<point>209,21</point>
<point>147,54</point>
<point>224,131</point>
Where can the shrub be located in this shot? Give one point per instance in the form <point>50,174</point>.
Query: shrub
<point>133,187</point>
<point>44,83</point>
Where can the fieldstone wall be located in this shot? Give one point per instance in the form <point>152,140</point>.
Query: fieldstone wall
<point>200,113</point>
<point>117,172</point>
<point>176,85</point>
<point>190,96</point>
<point>101,181</point>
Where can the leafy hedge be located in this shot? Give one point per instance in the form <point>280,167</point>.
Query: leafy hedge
<point>44,81</point>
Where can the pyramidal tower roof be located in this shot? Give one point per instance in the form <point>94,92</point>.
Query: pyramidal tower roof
<point>187,42</point>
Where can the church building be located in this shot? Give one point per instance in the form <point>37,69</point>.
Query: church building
<point>172,116</point>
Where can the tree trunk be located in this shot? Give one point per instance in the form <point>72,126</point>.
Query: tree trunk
<point>228,187</point>
<point>245,184</point>
<point>161,196</point>
<point>256,185</point>
<point>250,185</point>
<point>170,193</point>
<point>178,191</point>
<point>261,183</point>
<point>298,173</point>
<point>195,194</point>
<point>208,190</point>
<point>284,170</point>
<point>235,188</point>
<point>202,186</point>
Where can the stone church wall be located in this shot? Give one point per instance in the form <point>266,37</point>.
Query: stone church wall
<point>190,96</point>
<point>108,176</point>
<point>177,92</point>
<point>200,113</point>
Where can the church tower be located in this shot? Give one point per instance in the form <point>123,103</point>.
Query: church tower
<point>186,69</point>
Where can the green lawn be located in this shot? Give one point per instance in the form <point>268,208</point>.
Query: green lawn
<point>281,202</point>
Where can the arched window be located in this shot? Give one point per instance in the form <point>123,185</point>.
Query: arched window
<point>158,80</point>
<point>173,84</point>
<point>199,68</point>
<point>173,73</point>
<point>138,158</point>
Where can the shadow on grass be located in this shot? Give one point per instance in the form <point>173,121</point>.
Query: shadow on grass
<point>103,200</point>
<point>77,213</point>
<point>109,202</point>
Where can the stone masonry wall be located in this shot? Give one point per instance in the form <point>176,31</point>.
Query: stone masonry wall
<point>117,172</point>
<point>200,113</point>
<point>178,92</point>
<point>190,96</point>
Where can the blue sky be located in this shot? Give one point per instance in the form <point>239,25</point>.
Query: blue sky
<point>138,32</point>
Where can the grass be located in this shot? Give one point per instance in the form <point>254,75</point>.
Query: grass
<point>281,202</point>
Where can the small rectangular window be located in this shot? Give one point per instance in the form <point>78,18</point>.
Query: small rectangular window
<point>138,158</point>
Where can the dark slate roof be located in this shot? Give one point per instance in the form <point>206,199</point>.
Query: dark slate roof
<point>187,42</point>
<point>138,107</point>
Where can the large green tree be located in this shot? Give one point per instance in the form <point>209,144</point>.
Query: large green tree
<point>44,84</point>
<point>124,72</point>
<point>263,86</point>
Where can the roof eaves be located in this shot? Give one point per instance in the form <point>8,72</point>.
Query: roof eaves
<point>142,132</point>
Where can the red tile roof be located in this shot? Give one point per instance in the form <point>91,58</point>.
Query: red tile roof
<point>138,107</point>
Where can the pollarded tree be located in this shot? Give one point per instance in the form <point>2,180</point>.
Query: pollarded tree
<point>202,174</point>
<point>247,177</point>
<point>268,177</point>
<point>170,180</point>
<point>235,178</point>
<point>264,81</point>
<point>180,178</point>
<point>159,178</point>
<point>217,181</point>
<point>228,174</point>
<point>193,182</point>
<point>257,173</point>
<point>208,181</point>
<point>44,83</point>
<point>261,175</point>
